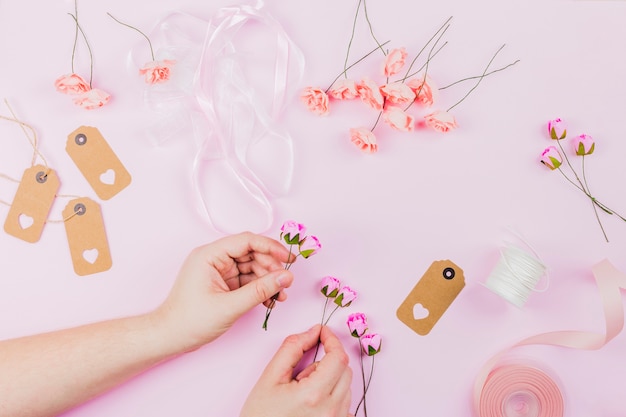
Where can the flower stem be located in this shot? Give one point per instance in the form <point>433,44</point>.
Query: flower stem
<point>371,29</point>
<point>330,315</point>
<point>479,76</point>
<point>272,303</point>
<point>344,72</point>
<point>75,33</point>
<point>595,209</point>
<point>345,63</point>
<point>88,48</point>
<point>362,378</point>
<point>317,348</point>
<point>445,24</point>
<point>134,28</point>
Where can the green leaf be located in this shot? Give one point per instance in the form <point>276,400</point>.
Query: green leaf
<point>306,253</point>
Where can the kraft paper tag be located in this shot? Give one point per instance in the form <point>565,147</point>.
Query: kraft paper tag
<point>97,162</point>
<point>431,296</point>
<point>86,236</point>
<point>32,202</point>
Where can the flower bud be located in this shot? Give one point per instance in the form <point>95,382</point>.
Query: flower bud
<point>584,145</point>
<point>309,246</point>
<point>371,344</point>
<point>357,323</point>
<point>551,158</point>
<point>330,286</point>
<point>556,129</point>
<point>292,232</point>
<point>345,297</point>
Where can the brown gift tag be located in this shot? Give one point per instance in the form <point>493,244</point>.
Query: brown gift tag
<point>96,160</point>
<point>32,202</point>
<point>86,236</point>
<point>431,296</point>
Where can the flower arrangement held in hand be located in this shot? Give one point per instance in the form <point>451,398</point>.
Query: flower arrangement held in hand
<point>391,98</point>
<point>294,234</point>
<point>369,345</point>
<point>582,146</point>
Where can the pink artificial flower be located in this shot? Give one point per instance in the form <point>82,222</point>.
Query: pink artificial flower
<point>371,344</point>
<point>92,99</point>
<point>344,89</point>
<point>556,129</point>
<point>370,93</point>
<point>398,119</point>
<point>316,100</point>
<point>364,139</point>
<point>309,246</point>
<point>157,71</point>
<point>292,232</point>
<point>397,93</point>
<point>441,121</point>
<point>330,286</point>
<point>425,91</point>
<point>551,158</point>
<point>357,323</point>
<point>394,61</point>
<point>345,297</point>
<point>71,84</point>
<point>584,145</point>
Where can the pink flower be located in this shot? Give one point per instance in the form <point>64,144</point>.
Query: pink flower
<point>398,93</point>
<point>344,89</point>
<point>357,323</point>
<point>292,232</point>
<point>370,93</point>
<point>441,121</point>
<point>371,343</point>
<point>92,99</point>
<point>425,90</point>
<point>157,71</point>
<point>309,246</point>
<point>398,119</point>
<point>394,61</point>
<point>556,129</point>
<point>551,158</point>
<point>345,297</point>
<point>330,286</point>
<point>584,145</point>
<point>364,139</point>
<point>316,100</point>
<point>71,84</point>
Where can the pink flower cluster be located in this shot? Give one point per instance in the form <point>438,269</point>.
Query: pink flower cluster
<point>84,96</point>
<point>343,295</point>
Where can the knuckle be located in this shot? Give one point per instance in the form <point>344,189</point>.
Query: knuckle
<point>261,292</point>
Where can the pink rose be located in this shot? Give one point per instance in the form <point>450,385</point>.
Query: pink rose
<point>371,344</point>
<point>344,89</point>
<point>292,232</point>
<point>584,145</point>
<point>370,93</point>
<point>556,129</point>
<point>426,93</point>
<point>357,323</point>
<point>309,246</point>
<point>394,61</point>
<point>397,93</point>
<point>345,297</point>
<point>398,119</point>
<point>92,99</point>
<point>364,139</point>
<point>157,71</point>
<point>71,84</point>
<point>330,286</point>
<point>551,158</point>
<point>441,121</point>
<point>315,100</point>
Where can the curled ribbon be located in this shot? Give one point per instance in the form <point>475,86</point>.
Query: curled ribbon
<point>488,388</point>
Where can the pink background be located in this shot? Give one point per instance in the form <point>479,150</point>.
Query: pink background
<point>382,218</point>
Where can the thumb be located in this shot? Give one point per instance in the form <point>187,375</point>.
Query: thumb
<point>260,290</point>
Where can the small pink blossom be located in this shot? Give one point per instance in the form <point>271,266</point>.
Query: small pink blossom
<point>344,89</point>
<point>426,93</point>
<point>357,323</point>
<point>92,99</point>
<point>394,61</point>
<point>398,119</point>
<point>584,145</point>
<point>370,93</point>
<point>293,232</point>
<point>309,246</point>
<point>330,286</point>
<point>71,84</point>
<point>441,121</point>
<point>364,139</point>
<point>345,297</point>
<point>551,158</point>
<point>556,129</point>
<point>397,93</point>
<point>371,344</point>
<point>316,100</point>
<point>156,72</point>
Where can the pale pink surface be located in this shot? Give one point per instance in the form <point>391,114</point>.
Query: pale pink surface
<point>383,218</point>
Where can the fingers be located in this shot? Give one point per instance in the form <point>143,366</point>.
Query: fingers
<point>334,364</point>
<point>259,290</point>
<point>280,368</point>
<point>306,371</point>
<point>243,247</point>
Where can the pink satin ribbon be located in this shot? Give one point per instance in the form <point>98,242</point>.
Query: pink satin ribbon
<point>492,381</point>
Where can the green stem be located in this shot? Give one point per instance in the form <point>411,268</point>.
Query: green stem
<point>75,34</point>
<point>345,63</point>
<point>134,28</point>
<point>362,378</point>
<point>330,315</point>
<point>344,72</point>
<point>317,348</point>
<point>479,76</point>
<point>270,306</point>
<point>423,49</point>
<point>595,209</point>
<point>88,48</point>
<point>371,29</point>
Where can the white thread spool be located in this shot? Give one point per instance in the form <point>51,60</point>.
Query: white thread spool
<point>516,275</point>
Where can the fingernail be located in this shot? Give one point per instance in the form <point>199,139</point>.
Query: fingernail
<point>281,280</point>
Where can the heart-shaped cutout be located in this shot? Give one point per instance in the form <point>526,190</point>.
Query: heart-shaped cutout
<point>90,255</point>
<point>25,221</point>
<point>420,312</point>
<point>108,177</point>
